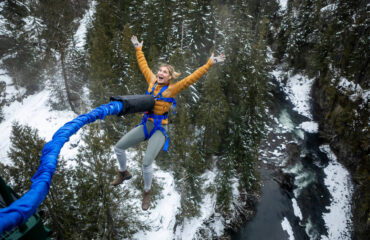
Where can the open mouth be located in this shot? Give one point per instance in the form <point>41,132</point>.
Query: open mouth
<point>160,78</point>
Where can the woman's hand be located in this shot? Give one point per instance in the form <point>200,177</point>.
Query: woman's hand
<point>135,42</point>
<point>217,59</point>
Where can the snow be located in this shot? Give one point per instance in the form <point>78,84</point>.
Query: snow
<point>288,228</point>
<point>347,85</point>
<point>329,8</point>
<point>298,89</point>
<point>352,90</point>
<point>162,217</point>
<point>12,92</point>
<point>338,182</point>
<point>309,126</point>
<point>34,111</point>
<point>296,209</point>
<point>3,30</point>
<point>190,226</point>
<point>33,24</point>
<point>80,35</point>
<point>276,153</point>
<point>283,4</point>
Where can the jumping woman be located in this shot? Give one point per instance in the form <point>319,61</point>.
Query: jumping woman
<point>154,125</point>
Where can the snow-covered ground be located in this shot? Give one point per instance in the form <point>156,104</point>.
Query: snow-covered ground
<point>80,35</point>
<point>3,30</point>
<point>296,209</point>
<point>288,228</point>
<point>297,88</point>
<point>338,182</point>
<point>162,217</point>
<point>34,112</point>
<point>352,90</point>
<point>309,126</point>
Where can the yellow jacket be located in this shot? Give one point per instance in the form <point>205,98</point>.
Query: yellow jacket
<point>161,107</point>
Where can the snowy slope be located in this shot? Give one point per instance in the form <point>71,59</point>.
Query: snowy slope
<point>34,112</point>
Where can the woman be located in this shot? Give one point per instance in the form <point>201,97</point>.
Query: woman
<point>154,125</point>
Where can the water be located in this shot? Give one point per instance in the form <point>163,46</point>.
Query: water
<point>273,207</point>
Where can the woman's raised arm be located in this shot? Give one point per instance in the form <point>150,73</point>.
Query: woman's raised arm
<point>143,65</point>
<point>192,78</point>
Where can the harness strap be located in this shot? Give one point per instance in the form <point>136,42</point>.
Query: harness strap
<point>164,88</point>
<point>159,96</point>
<point>157,119</point>
<point>157,126</point>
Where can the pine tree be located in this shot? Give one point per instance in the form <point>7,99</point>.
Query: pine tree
<point>224,181</point>
<point>25,153</point>
<point>58,211</point>
<point>102,211</point>
<point>244,79</point>
<point>186,164</point>
<point>212,113</point>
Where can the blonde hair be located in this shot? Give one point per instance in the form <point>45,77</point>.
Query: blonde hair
<point>171,69</point>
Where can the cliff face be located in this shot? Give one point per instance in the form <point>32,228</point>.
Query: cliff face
<point>343,120</point>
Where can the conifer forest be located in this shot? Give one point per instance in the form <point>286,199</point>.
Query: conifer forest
<point>223,153</point>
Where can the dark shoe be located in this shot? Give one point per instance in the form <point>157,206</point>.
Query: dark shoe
<point>122,176</point>
<point>146,200</point>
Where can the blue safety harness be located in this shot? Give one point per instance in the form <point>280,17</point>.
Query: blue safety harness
<point>157,119</point>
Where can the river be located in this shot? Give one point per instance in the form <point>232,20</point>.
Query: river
<point>305,192</point>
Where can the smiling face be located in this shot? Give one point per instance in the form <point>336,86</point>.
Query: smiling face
<point>163,75</point>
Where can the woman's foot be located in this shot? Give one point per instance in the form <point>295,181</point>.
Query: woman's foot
<point>146,200</point>
<point>122,176</point>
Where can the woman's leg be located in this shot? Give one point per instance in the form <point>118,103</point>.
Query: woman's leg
<point>133,137</point>
<point>155,145</point>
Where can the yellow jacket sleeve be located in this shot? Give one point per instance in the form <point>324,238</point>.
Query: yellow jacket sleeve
<point>191,79</point>
<point>143,65</point>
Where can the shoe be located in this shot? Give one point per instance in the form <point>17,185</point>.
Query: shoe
<point>146,200</point>
<point>122,176</point>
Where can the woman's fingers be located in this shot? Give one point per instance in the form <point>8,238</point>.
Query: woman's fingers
<point>135,42</point>
<point>219,58</point>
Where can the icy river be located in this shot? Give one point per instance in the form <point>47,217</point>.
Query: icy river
<point>306,193</point>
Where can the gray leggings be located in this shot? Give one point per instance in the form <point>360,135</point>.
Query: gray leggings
<point>132,138</point>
